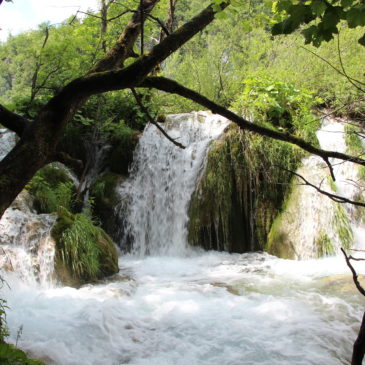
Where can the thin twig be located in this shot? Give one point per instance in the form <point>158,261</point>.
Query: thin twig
<point>354,274</point>
<point>330,64</point>
<point>350,79</point>
<point>152,121</point>
<point>334,197</point>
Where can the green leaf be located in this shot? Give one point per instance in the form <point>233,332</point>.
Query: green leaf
<point>309,34</point>
<point>221,15</point>
<point>318,7</point>
<point>346,3</point>
<point>355,17</point>
<point>283,5</point>
<point>299,14</point>
<point>331,18</point>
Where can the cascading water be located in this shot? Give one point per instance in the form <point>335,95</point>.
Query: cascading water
<point>163,178</point>
<point>204,308</point>
<point>313,225</point>
<point>26,247</point>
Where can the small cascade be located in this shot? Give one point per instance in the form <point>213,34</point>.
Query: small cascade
<point>312,225</point>
<point>155,199</point>
<point>26,246</point>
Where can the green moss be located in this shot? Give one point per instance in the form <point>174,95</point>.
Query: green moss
<point>161,118</point>
<point>103,192</point>
<point>10,355</point>
<point>343,227</point>
<point>331,183</point>
<point>52,189</point>
<point>359,211</point>
<point>278,243</point>
<point>84,251</point>
<point>355,146</point>
<point>324,245</point>
<point>240,192</point>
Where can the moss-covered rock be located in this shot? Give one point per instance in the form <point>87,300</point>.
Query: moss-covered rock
<point>240,192</point>
<point>84,252</point>
<point>52,188</point>
<point>356,147</point>
<point>310,224</point>
<point>105,197</point>
<point>10,355</point>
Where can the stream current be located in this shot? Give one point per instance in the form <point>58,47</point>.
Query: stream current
<point>185,306</point>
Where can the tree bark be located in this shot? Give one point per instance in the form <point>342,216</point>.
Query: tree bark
<point>359,345</point>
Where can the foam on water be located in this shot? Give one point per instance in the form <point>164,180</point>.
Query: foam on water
<point>209,308</point>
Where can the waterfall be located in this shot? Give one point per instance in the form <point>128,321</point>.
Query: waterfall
<point>312,225</point>
<point>26,247</point>
<point>155,198</point>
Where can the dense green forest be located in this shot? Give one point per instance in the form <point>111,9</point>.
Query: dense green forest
<point>247,60</point>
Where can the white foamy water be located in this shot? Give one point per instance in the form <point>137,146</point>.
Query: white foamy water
<point>26,246</point>
<point>7,142</point>
<point>163,178</point>
<point>209,308</point>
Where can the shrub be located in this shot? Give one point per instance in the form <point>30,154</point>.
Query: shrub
<point>276,104</point>
<point>83,248</point>
<point>52,189</point>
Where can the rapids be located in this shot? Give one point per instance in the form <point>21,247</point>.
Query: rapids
<point>207,308</point>
<point>180,306</point>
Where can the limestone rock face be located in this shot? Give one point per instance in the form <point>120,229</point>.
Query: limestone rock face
<point>236,199</point>
<point>310,225</point>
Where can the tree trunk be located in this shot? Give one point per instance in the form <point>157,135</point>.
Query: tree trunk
<point>359,345</point>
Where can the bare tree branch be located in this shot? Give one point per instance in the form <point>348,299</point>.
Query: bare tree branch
<point>13,121</point>
<point>334,197</point>
<point>334,67</point>
<point>170,86</point>
<point>67,160</point>
<point>124,45</point>
<point>354,274</point>
<point>349,79</point>
<point>152,120</point>
<point>359,345</point>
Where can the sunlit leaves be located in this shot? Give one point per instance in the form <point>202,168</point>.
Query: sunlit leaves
<point>324,15</point>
